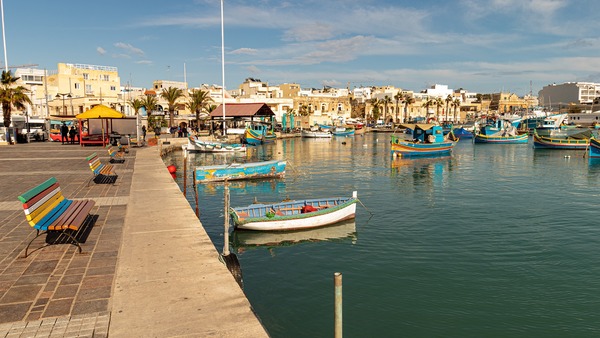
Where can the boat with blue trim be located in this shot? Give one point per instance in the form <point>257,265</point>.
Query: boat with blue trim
<point>426,140</point>
<point>240,171</point>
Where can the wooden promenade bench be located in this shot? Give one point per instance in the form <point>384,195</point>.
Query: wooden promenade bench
<point>49,212</point>
<point>116,156</point>
<point>103,173</point>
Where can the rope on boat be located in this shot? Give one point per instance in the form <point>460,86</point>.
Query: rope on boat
<point>361,203</point>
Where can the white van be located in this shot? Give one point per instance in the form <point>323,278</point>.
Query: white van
<point>32,128</point>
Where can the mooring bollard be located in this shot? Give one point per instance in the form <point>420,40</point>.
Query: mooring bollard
<point>337,282</point>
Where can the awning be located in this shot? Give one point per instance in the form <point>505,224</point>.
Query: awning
<point>100,112</point>
<point>413,126</point>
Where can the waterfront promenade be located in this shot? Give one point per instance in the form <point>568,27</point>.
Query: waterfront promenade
<point>148,268</point>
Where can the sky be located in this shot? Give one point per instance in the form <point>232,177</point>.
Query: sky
<point>482,46</point>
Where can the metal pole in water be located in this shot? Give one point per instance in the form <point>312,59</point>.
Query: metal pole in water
<point>337,282</point>
<point>184,173</point>
<point>196,194</point>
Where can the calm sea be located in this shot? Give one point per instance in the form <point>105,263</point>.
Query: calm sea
<point>493,241</point>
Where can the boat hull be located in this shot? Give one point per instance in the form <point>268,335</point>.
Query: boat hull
<point>288,216</point>
<point>240,171</point>
<point>594,149</point>
<point>542,142</point>
<point>256,138</point>
<point>404,148</point>
<point>316,134</point>
<point>479,138</point>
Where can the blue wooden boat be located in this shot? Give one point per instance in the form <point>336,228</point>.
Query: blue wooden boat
<point>427,140</point>
<point>594,148</point>
<point>462,133</point>
<point>499,132</point>
<point>240,171</point>
<point>501,139</point>
<point>259,133</point>
<point>569,143</point>
<point>342,131</point>
<point>295,215</point>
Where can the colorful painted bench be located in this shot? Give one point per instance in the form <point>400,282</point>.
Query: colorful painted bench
<point>48,211</point>
<point>115,156</point>
<point>103,173</point>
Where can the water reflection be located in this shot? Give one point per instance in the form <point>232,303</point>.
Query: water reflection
<point>241,187</point>
<point>244,239</point>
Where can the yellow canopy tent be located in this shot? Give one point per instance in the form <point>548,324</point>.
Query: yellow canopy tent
<point>98,112</point>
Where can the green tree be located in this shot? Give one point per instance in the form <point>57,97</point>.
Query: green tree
<point>448,101</point>
<point>11,96</point>
<point>198,101</point>
<point>455,104</point>
<point>136,104</point>
<point>397,98</point>
<point>149,103</point>
<point>375,103</point>
<point>438,103</point>
<point>430,102</point>
<point>408,100</point>
<point>171,94</point>
<point>386,100</point>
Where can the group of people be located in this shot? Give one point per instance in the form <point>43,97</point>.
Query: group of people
<point>67,134</point>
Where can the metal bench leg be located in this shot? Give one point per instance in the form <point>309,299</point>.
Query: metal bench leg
<point>74,241</point>
<point>38,234</point>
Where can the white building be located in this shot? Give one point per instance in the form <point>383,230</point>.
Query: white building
<point>568,93</point>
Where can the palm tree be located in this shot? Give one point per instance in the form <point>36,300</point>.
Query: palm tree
<point>375,102</point>
<point>438,103</point>
<point>397,98</point>
<point>455,104</point>
<point>430,102</point>
<point>149,103</point>
<point>408,100</point>
<point>11,97</point>
<point>171,94</point>
<point>386,100</point>
<point>136,104</point>
<point>448,100</point>
<point>198,101</point>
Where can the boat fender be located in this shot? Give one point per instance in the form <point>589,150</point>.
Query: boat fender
<point>172,169</point>
<point>308,208</point>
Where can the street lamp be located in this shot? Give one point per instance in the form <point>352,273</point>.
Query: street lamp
<point>63,99</point>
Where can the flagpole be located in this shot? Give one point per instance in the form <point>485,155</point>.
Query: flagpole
<point>4,37</point>
<point>223,67</point>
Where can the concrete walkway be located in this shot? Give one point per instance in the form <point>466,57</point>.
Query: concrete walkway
<point>148,268</point>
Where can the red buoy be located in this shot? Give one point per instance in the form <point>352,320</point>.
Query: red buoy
<point>172,169</point>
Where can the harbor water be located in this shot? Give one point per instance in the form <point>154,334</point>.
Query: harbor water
<point>493,241</point>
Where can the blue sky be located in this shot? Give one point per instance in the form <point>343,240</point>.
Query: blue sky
<point>480,45</point>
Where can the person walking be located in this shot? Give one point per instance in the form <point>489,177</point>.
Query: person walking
<point>144,133</point>
<point>64,133</point>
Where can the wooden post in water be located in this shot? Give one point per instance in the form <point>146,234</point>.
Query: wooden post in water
<point>337,282</point>
<point>226,223</point>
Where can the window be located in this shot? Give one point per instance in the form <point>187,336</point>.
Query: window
<point>113,88</point>
<point>86,76</point>
<point>77,86</point>
<point>105,77</point>
<point>88,88</point>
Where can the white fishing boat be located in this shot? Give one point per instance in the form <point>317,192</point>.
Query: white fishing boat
<point>197,145</point>
<point>316,133</point>
<point>294,215</point>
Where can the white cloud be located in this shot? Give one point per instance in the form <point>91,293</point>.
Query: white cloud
<point>144,62</point>
<point>248,51</point>
<point>128,48</point>
<point>101,50</point>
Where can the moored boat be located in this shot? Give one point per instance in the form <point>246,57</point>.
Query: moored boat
<point>343,131</point>
<point>197,145</point>
<point>594,148</point>
<point>462,133</point>
<point>316,133</point>
<point>427,140</point>
<point>259,133</point>
<point>570,143</point>
<point>295,215</point>
<point>501,139</point>
<point>240,171</point>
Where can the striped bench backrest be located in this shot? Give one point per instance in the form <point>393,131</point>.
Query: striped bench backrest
<point>44,204</point>
<point>111,151</point>
<point>95,164</point>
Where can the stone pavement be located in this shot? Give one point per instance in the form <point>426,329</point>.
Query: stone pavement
<point>139,275</point>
